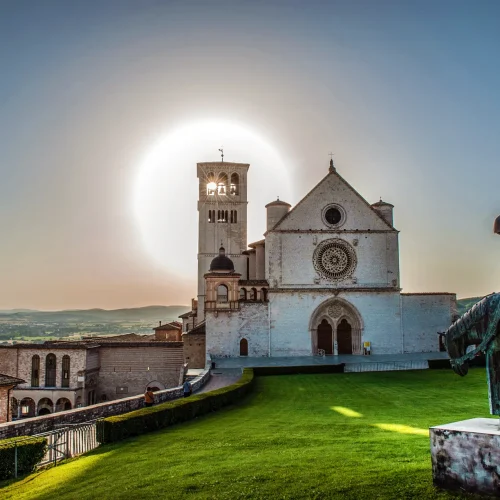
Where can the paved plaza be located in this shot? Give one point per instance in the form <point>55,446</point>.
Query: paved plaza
<point>249,362</point>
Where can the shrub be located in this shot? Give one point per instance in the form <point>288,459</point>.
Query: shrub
<point>145,420</point>
<point>30,452</point>
<point>292,370</point>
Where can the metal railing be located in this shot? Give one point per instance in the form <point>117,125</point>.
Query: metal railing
<point>69,441</point>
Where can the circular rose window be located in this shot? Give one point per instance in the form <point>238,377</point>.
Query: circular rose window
<point>333,215</point>
<point>334,259</point>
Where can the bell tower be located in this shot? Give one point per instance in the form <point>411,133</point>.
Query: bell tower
<point>222,213</point>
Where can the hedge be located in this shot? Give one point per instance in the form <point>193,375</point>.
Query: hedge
<point>30,452</point>
<point>145,420</point>
<point>293,370</point>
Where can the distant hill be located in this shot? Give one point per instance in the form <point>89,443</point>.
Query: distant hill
<point>149,313</point>
<point>135,314</point>
<point>463,305</point>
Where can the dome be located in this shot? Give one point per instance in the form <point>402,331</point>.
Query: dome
<point>496,225</point>
<point>278,203</point>
<point>222,263</point>
<point>382,203</point>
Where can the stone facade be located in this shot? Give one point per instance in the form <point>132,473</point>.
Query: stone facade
<point>7,384</point>
<point>129,370</point>
<point>325,279</point>
<point>66,375</point>
<point>194,344</point>
<point>423,316</point>
<point>37,425</point>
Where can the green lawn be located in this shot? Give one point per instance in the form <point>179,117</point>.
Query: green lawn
<point>353,436</point>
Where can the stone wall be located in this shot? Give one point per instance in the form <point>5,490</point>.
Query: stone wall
<point>466,456</point>
<point>8,361</point>
<point>128,370</point>
<point>291,315</point>
<point>194,349</point>
<point>17,362</point>
<point>424,315</point>
<point>37,425</point>
<point>291,260</point>
<point>291,245</point>
<point>225,330</point>
<point>5,413</point>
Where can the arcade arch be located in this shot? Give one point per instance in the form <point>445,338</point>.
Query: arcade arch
<point>336,328</point>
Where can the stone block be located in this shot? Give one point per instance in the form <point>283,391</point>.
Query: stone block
<point>466,456</point>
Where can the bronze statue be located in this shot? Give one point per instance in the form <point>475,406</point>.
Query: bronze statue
<point>478,327</point>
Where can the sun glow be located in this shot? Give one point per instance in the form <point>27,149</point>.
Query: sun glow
<point>166,190</point>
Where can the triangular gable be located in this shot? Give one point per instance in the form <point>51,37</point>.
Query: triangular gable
<point>333,188</point>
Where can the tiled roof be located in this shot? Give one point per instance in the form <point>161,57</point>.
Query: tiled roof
<point>199,329</point>
<point>169,326</point>
<point>55,344</point>
<point>256,243</point>
<point>126,337</point>
<point>8,380</point>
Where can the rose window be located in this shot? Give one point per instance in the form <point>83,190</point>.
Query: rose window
<point>334,259</point>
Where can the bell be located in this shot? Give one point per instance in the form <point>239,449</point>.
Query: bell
<point>496,225</point>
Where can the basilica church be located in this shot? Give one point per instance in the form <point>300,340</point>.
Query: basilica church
<point>324,280</point>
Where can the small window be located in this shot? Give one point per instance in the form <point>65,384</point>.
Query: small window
<point>65,371</point>
<point>235,185</point>
<point>222,184</point>
<point>222,293</point>
<point>243,347</point>
<point>50,370</point>
<point>35,371</point>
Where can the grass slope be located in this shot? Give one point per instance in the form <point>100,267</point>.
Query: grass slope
<point>349,436</point>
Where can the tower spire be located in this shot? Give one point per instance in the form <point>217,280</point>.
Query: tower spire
<point>332,168</point>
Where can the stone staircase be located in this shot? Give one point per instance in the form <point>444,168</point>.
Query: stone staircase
<point>386,366</point>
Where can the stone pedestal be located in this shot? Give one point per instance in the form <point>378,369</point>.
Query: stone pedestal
<point>466,456</point>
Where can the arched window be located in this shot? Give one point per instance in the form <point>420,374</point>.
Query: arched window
<point>263,295</point>
<point>50,370</point>
<point>35,371</point>
<point>235,184</point>
<point>222,293</point>
<point>254,294</point>
<point>210,216</point>
<point>243,294</point>
<point>226,218</point>
<point>211,184</point>
<point>222,184</point>
<point>235,216</point>
<point>65,371</point>
<point>243,347</point>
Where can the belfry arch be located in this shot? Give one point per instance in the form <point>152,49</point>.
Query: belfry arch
<point>346,324</point>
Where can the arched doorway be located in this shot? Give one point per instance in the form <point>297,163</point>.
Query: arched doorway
<point>243,347</point>
<point>346,325</point>
<point>325,337</point>
<point>344,337</point>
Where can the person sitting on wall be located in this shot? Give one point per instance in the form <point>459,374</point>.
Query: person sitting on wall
<point>187,389</point>
<point>149,397</point>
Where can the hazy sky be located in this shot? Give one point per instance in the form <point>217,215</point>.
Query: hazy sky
<point>406,94</point>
